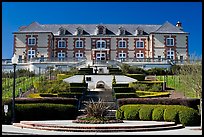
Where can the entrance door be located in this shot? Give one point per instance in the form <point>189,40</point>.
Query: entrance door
<point>100,56</point>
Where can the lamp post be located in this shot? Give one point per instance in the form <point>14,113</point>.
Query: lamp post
<point>14,62</point>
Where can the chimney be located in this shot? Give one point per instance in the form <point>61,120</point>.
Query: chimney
<point>179,25</point>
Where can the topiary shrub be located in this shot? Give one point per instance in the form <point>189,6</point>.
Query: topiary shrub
<point>158,113</point>
<point>189,116</point>
<point>171,114</point>
<point>130,112</point>
<point>145,113</point>
<point>125,95</point>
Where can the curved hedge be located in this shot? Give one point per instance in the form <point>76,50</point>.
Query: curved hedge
<point>172,113</point>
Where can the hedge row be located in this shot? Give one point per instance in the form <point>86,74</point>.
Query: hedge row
<point>139,77</point>
<point>45,111</point>
<point>114,71</point>
<point>87,71</point>
<point>126,95</point>
<point>120,85</point>
<point>193,103</point>
<point>173,113</point>
<point>123,90</point>
<point>53,100</point>
<point>73,84</point>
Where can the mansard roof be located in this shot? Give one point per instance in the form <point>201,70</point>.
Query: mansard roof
<point>111,29</point>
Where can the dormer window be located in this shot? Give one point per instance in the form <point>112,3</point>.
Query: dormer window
<point>101,30</point>
<point>62,31</point>
<point>139,31</point>
<point>121,31</point>
<point>31,41</point>
<point>79,31</point>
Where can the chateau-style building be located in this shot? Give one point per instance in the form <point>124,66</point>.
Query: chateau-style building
<point>97,42</point>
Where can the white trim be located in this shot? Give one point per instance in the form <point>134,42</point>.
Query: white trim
<point>170,54</point>
<point>138,55</point>
<point>122,55</point>
<point>79,55</point>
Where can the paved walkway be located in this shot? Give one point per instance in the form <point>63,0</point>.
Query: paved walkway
<point>12,130</point>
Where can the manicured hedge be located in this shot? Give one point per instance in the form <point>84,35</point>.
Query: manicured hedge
<point>172,113</point>
<point>148,94</point>
<point>47,100</point>
<point>73,84</point>
<point>115,71</point>
<point>120,85</point>
<point>125,95</point>
<point>139,77</point>
<point>189,102</point>
<point>45,111</point>
<point>77,95</point>
<point>63,76</point>
<point>48,95</point>
<point>87,71</point>
<point>78,89</point>
<point>53,100</point>
<point>123,90</point>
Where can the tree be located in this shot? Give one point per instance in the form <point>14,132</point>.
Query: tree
<point>191,77</point>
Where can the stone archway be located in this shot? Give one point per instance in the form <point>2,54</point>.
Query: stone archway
<point>100,84</point>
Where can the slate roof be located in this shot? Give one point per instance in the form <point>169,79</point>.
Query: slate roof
<point>112,29</point>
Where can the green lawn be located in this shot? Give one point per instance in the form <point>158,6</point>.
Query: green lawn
<point>175,83</point>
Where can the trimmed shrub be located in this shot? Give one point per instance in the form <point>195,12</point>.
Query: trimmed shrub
<point>145,113</point>
<point>123,90</point>
<point>116,71</point>
<point>158,113</point>
<point>45,111</point>
<point>120,85</point>
<point>147,94</point>
<point>85,71</point>
<point>78,85</point>
<point>171,114</point>
<point>189,117</point>
<point>189,102</point>
<point>71,95</point>
<point>78,89</point>
<point>48,95</point>
<point>139,77</point>
<point>125,95</point>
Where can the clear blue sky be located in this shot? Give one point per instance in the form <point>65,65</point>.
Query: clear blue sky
<point>16,14</point>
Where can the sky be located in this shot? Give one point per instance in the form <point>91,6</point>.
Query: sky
<point>16,14</point>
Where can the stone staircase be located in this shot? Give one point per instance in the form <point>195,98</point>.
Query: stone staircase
<point>100,93</point>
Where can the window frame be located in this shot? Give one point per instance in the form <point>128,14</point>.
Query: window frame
<point>170,44</point>
<point>30,40</point>
<point>139,41</point>
<point>79,41</point>
<point>140,53</point>
<point>60,41</point>
<point>31,54</point>
<point>122,41</point>
<point>79,53</point>
<point>170,54</point>
<point>122,57</point>
<point>100,47</point>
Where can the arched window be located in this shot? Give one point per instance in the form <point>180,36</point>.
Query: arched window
<point>101,44</point>
<point>122,44</point>
<point>61,44</point>
<point>79,44</point>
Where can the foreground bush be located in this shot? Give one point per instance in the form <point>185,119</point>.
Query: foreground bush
<point>172,113</point>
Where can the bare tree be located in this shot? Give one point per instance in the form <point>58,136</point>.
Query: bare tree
<point>191,76</point>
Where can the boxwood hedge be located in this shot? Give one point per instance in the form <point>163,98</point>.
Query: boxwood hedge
<point>174,113</point>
